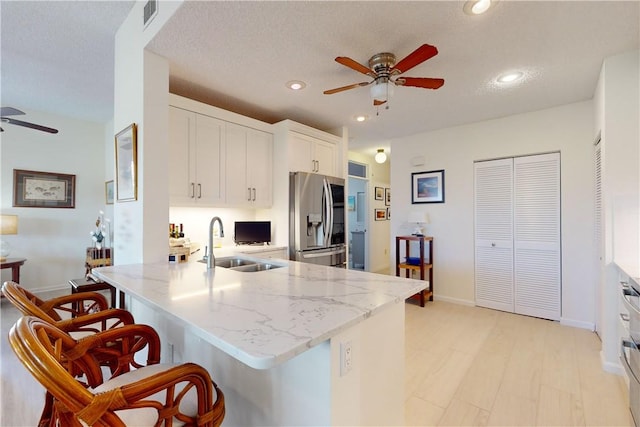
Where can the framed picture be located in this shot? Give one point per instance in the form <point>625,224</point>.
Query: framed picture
<point>351,203</point>
<point>108,192</point>
<point>427,187</point>
<point>387,197</point>
<point>379,193</point>
<point>388,213</point>
<point>381,214</point>
<point>127,164</point>
<point>33,189</point>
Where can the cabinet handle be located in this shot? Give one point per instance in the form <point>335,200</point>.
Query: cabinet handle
<point>254,194</point>
<point>624,316</point>
<point>199,191</point>
<point>248,194</point>
<point>493,245</point>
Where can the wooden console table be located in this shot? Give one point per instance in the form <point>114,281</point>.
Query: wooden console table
<point>423,265</point>
<point>14,264</point>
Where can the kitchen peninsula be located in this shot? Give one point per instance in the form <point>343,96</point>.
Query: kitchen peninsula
<point>297,345</point>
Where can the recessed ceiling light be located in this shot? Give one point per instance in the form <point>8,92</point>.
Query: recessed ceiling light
<point>296,84</point>
<point>361,118</point>
<point>510,77</point>
<point>477,7</point>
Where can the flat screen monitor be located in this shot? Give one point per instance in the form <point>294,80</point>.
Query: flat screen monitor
<point>248,232</point>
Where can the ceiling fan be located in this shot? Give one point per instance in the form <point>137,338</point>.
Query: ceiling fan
<point>384,70</point>
<point>9,111</point>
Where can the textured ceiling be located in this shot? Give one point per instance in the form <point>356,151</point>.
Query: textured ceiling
<point>238,55</point>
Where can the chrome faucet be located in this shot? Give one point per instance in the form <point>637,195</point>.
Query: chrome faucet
<point>211,259</point>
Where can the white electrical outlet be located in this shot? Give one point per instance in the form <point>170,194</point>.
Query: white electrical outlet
<point>346,358</point>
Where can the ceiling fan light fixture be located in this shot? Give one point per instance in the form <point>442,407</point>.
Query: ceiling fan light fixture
<point>380,156</point>
<point>296,84</point>
<point>381,91</point>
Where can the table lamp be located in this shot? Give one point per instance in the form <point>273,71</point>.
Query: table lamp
<point>418,218</point>
<point>8,225</point>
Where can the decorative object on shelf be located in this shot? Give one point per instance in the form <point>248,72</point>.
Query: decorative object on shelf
<point>427,187</point>
<point>101,232</point>
<point>387,197</point>
<point>8,225</point>
<point>418,218</point>
<point>108,192</point>
<point>33,189</point>
<point>127,164</point>
<point>379,193</point>
<point>380,214</point>
<point>380,156</point>
<point>388,213</point>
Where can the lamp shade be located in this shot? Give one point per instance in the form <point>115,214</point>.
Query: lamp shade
<point>418,217</point>
<point>8,224</point>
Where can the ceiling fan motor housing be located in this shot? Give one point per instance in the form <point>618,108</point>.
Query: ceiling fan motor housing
<point>382,63</point>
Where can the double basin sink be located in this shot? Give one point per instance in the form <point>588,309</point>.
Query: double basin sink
<point>241,264</point>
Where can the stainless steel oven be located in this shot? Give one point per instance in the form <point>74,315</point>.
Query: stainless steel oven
<point>630,353</point>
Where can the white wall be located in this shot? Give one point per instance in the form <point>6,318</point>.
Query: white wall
<point>568,129</point>
<point>54,240</point>
<point>617,101</point>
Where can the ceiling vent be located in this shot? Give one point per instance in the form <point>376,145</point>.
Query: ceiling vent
<point>150,11</point>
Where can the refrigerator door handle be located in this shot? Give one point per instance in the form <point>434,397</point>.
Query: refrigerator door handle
<point>327,212</point>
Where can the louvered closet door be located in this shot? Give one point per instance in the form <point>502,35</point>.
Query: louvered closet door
<point>537,235</point>
<point>494,234</point>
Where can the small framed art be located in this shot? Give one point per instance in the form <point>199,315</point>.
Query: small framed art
<point>380,214</point>
<point>379,193</point>
<point>32,189</point>
<point>127,164</point>
<point>427,187</point>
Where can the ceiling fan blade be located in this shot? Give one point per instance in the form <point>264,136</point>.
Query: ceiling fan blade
<point>343,88</point>
<point>416,57</point>
<point>348,62</point>
<point>377,102</point>
<point>28,125</point>
<point>423,82</point>
<point>9,111</point>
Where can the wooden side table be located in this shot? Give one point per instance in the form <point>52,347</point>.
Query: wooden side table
<point>423,265</point>
<point>14,264</point>
<point>86,284</point>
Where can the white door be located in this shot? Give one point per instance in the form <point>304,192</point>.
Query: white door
<point>537,272</point>
<point>517,235</point>
<point>494,234</point>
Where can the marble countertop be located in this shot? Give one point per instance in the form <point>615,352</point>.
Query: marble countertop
<point>261,318</point>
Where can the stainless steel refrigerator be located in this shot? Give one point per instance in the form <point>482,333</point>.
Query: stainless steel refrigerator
<point>317,219</point>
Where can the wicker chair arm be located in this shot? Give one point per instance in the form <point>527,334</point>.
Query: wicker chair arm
<point>97,322</point>
<point>75,303</point>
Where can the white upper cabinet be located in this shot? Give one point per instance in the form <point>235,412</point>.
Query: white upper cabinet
<point>218,158</point>
<point>309,154</point>
<point>196,159</point>
<point>249,158</point>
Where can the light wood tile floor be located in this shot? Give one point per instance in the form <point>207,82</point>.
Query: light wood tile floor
<point>470,366</point>
<point>465,366</point>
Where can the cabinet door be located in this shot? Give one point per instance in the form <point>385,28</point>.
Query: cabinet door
<point>238,189</point>
<point>324,153</point>
<point>494,234</point>
<point>209,160</point>
<point>182,179</point>
<point>259,167</point>
<point>300,153</point>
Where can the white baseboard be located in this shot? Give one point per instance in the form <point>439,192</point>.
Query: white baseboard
<point>613,368</point>
<point>454,300</point>
<point>578,324</point>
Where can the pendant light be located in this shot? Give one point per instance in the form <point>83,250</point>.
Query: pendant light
<point>381,157</point>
